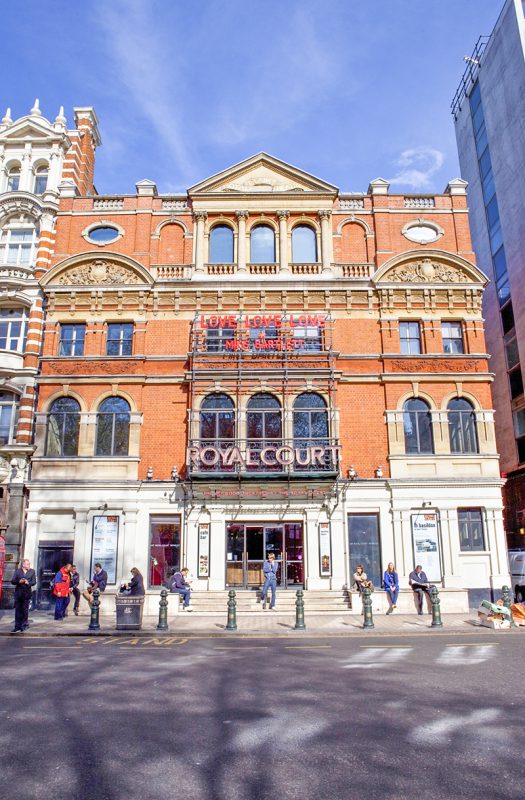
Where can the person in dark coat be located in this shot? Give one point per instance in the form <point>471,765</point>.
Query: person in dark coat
<point>23,579</point>
<point>135,588</point>
<point>98,581</point>
<point>75,591</point>
<point>420,585</point>
<point>180,585</point>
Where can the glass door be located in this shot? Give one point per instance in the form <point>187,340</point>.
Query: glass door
<point>294,554</point>
<point>254,556</point>
<point>247,546</point>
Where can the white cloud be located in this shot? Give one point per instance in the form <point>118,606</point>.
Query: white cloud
<point>417,167</point>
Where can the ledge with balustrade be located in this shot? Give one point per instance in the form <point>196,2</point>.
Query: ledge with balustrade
<point>185,272</point>
<point>10,274</point>
<point>419,201</point>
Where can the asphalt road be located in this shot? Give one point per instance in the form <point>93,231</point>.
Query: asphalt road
<point>407,718</point>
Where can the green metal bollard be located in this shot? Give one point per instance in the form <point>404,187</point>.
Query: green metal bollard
<point>232,611</point>
<point>94,624</point>
<point>299,611</point>
<point>436,613</point>
<point>507,602</point>
<point>367,609</point>
<point>163,611</point>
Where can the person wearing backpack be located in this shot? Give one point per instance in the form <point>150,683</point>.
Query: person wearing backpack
<point>62,591</point>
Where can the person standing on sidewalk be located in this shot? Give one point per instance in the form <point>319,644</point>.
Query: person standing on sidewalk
<point>23,579</point>
<point>62,591</point>
<point>270,568</point>
<point>391,586</point>
<point>75,591</point>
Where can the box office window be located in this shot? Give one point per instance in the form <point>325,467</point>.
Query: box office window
<point>164,549</point>
<point>364,546</point>
<point>471,535</point>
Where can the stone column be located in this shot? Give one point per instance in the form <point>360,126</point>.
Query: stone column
<point>283,240</point>
<point>199,217</point>
<point>26,173</point>
<point>242,216</point>
<point>326,240</point>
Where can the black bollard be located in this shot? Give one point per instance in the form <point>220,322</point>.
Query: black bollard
<point>299,611</point>
<point>232,611</point>
<point>436,613</point>
<point>94,624</point>
<point>163,611</point>
<point>367,609</point>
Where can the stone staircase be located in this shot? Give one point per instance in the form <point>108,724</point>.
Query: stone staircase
<point>248,602</point>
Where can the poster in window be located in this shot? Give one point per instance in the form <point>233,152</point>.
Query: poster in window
<point>425,537</point>
<point>105,545</point>
<point>325,550</point>
<point>204,550</point>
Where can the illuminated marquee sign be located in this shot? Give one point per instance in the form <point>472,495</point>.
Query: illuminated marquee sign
<point>284,456</point>
<point>265,331</point>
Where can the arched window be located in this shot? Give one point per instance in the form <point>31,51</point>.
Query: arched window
<point>113,417</point>
<point>18,245</point>
<point>462,426</point>
<point>13,178</point>
<point>217,419</point>
<point>263,426</point>
<point>304,245</point>
<point>262,245</point>
<point>221,245</point>
<point>417,422</point>
<point>310,429</point>
<point>63,425</point>
<point>8,417</point>
<point>41,175</point>
<point>13,329</point>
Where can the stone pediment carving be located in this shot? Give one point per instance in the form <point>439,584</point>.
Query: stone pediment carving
<point>427,271</point>
<point>98,272</point>
<point>263,173</point>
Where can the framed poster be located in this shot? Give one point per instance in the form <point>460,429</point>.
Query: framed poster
<point>204,550</point>
<point>105,545</point>
<point>325,550</point>
<point>425,539</point>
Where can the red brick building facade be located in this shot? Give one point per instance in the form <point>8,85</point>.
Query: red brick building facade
<point>266,364</point>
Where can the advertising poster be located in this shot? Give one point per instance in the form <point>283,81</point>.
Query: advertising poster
<point>204,550</point>
<point>325,550</point>
<point>105,545</point>
<point>425,536</point>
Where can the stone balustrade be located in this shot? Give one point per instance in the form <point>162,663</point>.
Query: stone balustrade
<point>419,201</point>
<point>108,203</point>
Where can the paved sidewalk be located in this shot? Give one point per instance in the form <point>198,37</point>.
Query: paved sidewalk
<point>193,625</point>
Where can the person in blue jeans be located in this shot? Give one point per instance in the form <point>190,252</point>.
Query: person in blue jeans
<point>270,568</point>
<point>180,586</point>
<point>391,586</point>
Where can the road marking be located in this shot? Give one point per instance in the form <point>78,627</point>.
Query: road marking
<point>308,647</point>
<point>386,647</point>
<point>244,647</point>
<point>439,731</point>
<point>377,657</point>
<point>475,644</point>
<point>52,647</point>
<point>458,654</point>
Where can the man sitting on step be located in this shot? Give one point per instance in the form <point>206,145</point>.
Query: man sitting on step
<point>179,585</point>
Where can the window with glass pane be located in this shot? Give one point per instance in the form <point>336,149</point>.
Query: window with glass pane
<point>41,180</point>
<point>8,417</point>
<point>304,245</point>
<point>120,339</point>
<point>13,179</point>
<point>452,333</point>
<point>515,382</point>
<point>308,338</point>
<point>410,338</point>
<point>13,329</point>
<point>462,426</point>
<point>17,246</point>
<point>164,551</point>
<point>511,351</point>
<point>71,340</point>
<point>113,419</point>
<point>216,339</point>
<point>364,546</point>
<point>310,427</point>
<point>221,245</point>
<point>63,426</point>
<point>417,423</point>
<point>507,318</point>
<point>470,522</point>
<point>217,418</point>
<point>262,245</point>
<point>263,425</point>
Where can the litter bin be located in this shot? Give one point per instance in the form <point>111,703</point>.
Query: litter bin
<point>129,612</point>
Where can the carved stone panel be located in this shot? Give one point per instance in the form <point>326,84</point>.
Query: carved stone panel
<point>426,271</point>
<point>99,272</point>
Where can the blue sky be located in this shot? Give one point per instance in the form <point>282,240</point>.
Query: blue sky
<point>345,89</point>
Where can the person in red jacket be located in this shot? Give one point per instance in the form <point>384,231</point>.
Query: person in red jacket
<point>62,591</point>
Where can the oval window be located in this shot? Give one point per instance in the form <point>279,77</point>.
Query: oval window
<point>422,233</point>
<point>103,234</point>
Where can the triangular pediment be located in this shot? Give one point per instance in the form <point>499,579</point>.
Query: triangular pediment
<point>262,174</point>
<point>29,128</point>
